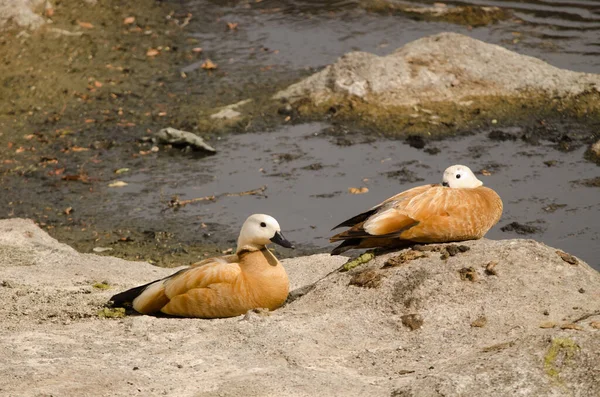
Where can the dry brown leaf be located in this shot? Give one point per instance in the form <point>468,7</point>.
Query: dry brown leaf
<point>152,52</point>
<point>68,210</point>
<point>98,84</point>
<point>232,25</point>
<point>485,172</point>
<point>567,257</point>
<point>129,20</point>
<point>595,324</point>
<point>357,190</point>
<point>208,65</point>
<point>117,184</point>
<point>20,150</point>
<point>85,25</point>
<point>571,326</point>
<point>79,149</point>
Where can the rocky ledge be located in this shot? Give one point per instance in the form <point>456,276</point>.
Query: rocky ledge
<point>477,318</point>
<point>445,79</point>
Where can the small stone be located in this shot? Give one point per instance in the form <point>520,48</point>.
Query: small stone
<point>468,274</point>
<point>226,114</point>
<point>490,269</point>
<point>412,321</point>
<point>480,322</point>
<point>404,257</point>
<point>548,324</point>
<point>367,279</point>
<point>581,290</point>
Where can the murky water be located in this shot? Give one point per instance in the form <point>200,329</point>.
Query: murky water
<point>308,173</point>
<point>310,34</point>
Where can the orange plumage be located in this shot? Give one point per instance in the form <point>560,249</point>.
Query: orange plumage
<point>221,287</point>
<point>426,214</point>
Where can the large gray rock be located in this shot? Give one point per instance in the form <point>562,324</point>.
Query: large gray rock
<point>20,13</point>
<point>429,326</point>
<point>444,67</point>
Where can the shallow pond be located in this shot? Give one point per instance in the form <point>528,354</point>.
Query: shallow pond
<point>308,172</point>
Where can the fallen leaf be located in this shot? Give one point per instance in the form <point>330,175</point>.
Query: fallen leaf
<point>595,324</point>
<point>208,65</point>
<point>20,150</point>
<point>98,84</point>
<point>197,50</point>
<point>49,12</point>
<point>79,149</point>
<point>117,184</point>
<point>571,326</point>
<point>121,170</point>
<point>101,249</point>
<point>68,210</point>
<point>232,25</point>
<point>152,52</point>
<point>356,190</point>
<point>88,121</point>
<point>485,172</point>
<point>129,20</point>
<point>85,25</point>
<point>548,324</point>
<point>567,257</point>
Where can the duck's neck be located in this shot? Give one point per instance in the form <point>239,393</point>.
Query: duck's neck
<point>249,248</point>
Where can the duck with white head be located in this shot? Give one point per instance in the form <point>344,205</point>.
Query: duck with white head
<point>222,286</point>
<point>458,209</point>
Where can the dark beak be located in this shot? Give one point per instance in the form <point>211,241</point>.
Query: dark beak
<point>445,184</point>
<point>280,240</point>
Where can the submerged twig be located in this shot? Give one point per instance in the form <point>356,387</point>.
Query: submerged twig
<point>176,203</point>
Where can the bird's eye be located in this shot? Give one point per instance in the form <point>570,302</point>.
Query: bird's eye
<point>262,224</point>
<point>457,176</point>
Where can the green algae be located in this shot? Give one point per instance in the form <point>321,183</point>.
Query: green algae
<point>561,351</point>
<point>106,312</point>
<point>364,258</point>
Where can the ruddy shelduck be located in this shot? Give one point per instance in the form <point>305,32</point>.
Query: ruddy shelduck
<point>458,209</point>
<point>221,287</point>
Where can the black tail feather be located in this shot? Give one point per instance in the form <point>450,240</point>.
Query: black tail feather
<point>346,245</point>
<point>356,219</point>
<point>126,298</point>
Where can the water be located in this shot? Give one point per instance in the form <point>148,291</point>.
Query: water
<point>310,34</point>
<point>308,173</point>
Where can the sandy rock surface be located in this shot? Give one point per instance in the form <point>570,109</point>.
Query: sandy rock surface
<point>442,67</point>
<point>418,326</point>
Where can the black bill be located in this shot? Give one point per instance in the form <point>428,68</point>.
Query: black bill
<point>280,240</point>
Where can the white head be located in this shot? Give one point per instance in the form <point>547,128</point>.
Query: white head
<point>460,176</point>
<point>260,230</point>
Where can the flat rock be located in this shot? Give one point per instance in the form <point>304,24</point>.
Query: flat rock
<point>20,13</point>
<point>409,334</point>
<point>443,67</point>
<point>178,137</point>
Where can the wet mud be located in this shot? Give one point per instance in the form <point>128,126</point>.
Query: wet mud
<point>78,111</point>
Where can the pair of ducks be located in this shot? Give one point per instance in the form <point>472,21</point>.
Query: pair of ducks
<point>458,209</point>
